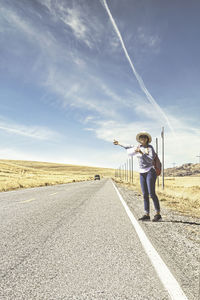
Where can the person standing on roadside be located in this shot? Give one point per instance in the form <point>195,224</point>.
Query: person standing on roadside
<point>145,154</point>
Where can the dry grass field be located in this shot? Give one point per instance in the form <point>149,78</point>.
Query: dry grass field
<point>180,194</point>
<point>25,174</point>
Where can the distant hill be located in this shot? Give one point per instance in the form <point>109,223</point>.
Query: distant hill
<point>184,170</point>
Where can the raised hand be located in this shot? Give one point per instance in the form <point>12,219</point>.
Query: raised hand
<point>138,150</point>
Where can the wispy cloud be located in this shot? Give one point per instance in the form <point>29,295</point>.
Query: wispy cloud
<point>92,96</point>
<point>149,40</point>
<point>82,94</point>
<point>25,25</point>
<point>34,132</point>
<point>77,24</point>
<point>49,50</point>
<point>178,149</point>
<point>84,23</point>
<point>74,17</point>
<point>107,130</point>
<point>18,154</point>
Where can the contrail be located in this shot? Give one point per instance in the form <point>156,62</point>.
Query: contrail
<point>138,77</point>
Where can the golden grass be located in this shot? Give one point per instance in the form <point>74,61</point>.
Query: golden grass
<point>180,193</point>
<point>16,174</point>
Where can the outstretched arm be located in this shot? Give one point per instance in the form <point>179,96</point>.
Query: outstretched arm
<point>118,144</point>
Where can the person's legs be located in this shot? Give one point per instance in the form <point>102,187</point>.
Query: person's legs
<point>151,180</point>
<point>145,192</point>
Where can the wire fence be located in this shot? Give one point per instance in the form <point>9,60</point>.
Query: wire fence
<point>125,171</point>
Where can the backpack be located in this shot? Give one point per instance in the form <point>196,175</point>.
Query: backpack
<point>157,165</point>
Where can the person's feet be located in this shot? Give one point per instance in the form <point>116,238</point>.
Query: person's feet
<point>144,218</point>
<point>157,218</point>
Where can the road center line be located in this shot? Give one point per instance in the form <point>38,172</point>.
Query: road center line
<point>166,277</point>
<point>53,194</point>
<point>29,200</point>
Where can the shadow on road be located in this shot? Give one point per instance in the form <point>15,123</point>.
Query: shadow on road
<point>183,222</point>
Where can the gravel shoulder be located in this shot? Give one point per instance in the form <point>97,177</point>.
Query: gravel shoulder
<point>176,238</point>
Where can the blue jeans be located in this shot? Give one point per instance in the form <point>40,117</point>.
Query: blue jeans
<point>147,182</point>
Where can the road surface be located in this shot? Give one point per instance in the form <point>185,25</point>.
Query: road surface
<point>72,241</point>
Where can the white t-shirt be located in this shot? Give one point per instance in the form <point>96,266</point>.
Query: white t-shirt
<point>145,160</point>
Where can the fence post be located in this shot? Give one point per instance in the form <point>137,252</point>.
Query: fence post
<point>132,169</point>
<point>162,136</point>
<point>157,154</point>
<point>126,170</point>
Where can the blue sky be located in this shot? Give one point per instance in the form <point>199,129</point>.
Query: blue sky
<point>67,88</point>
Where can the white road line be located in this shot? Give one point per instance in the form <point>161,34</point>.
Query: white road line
<point>166,277</point>
<point>25,201</point>
<point>53,194</point>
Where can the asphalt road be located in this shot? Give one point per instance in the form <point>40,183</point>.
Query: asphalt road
<point>72,241</point>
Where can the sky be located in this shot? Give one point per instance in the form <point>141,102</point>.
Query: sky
<point>76,74</point>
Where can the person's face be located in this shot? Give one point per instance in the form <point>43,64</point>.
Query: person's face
<point>143,139</point>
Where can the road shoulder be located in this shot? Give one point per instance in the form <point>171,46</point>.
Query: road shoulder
<point>176,238</point>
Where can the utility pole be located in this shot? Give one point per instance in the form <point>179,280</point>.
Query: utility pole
<point>132,169</point>
<point>162,136</point>
<point>127,170</point>
<point>157,154</point>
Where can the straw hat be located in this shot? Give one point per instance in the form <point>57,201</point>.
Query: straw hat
<point>143,133</point>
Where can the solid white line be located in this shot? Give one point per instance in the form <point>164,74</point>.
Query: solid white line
<point>166,277</point>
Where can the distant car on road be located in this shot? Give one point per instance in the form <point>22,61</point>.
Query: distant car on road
<point>97,177</point>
